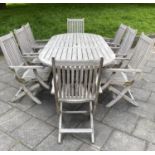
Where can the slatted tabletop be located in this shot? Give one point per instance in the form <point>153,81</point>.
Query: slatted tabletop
<point>76,46</point>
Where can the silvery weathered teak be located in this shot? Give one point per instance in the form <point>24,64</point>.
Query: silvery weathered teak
<point>76,46</point>
<point>128,74</point>
<point>76,82</point>
<point>36,44</point>
<point>118,36</point>
<point>24,43</point>
<point>127,42</point>
<point>29,77</point>
<point>75,25</point>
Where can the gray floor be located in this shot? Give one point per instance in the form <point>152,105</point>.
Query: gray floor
<point>27,126</point>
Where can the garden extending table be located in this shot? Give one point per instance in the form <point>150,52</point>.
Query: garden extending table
<point>76,46</point>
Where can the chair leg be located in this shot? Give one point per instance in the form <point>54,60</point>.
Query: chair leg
<point>121,95</point>
<point>133,99</point>
<point>76,130</point>
<point>127,98</point>
<point>91,122</point>
<point>19,94</point>
<point>105,85</point>
<point>19,91</point>
<point>29,93</point>
<point>42,83</point>
<point>60,124</point>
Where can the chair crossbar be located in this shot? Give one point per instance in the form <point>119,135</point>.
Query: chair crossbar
<point>75,112</point>
<point>76,130</point>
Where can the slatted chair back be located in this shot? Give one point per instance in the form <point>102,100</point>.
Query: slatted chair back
<point>75,25</point>
<point>29,33</point>
<point>141,52</point>
<point>23,41</point>
<point>76,80</point>
<point>119,34</point>
<point>11,50</point>
<point>127,41</point>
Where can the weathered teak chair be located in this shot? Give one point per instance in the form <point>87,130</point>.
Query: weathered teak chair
<point>29,77</point>
<point>116,41</point>
<point>126,43</point>
<point>24,43</point>
<point>75,25</point>
<point>76,82</point>
<point>125,51</point>
<point>36,44</point>
<point>127,75</point>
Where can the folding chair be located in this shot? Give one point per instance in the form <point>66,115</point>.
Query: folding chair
<point>130,72</point>
<point>75,25</point>
<point>30,77</point>
<point>29,53</point>
<point>124,52</point>
<point>76,82</point>
<point>36,44</point>
<point>126,43</point>
<point>116,41</point>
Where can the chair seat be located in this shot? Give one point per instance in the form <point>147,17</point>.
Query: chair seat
<point>43,73</point>
<point>74,99</point>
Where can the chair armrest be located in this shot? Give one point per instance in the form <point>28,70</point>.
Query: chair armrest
<point>108,39</point>
<point>122,58</point>
<point>114,48</point>
<point>121,54</point>
<point>30,54</point>
<point>42,40</point>
<point>124,70</point>
<point>37,47</point>
<point>113,44</point>
<point>26,67</point>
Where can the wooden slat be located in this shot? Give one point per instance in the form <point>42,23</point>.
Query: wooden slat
<point>64,82</point>
<point>59,83</point>
<point>72,82</point>
<point>77,82</point>
<point>90,81</point>
<point>68,81</point>
<point>85,81</point>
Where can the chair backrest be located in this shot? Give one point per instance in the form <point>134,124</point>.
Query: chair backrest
<point>75,25</point>
<point>127,41</point>
<point>141,52</point>
<point>29,33</point>
<point>75,80</point>
<point>11,50</point>
<point>119,34</point>
<point>23,41</point>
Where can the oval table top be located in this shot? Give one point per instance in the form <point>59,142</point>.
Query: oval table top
<point>76,46</point>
